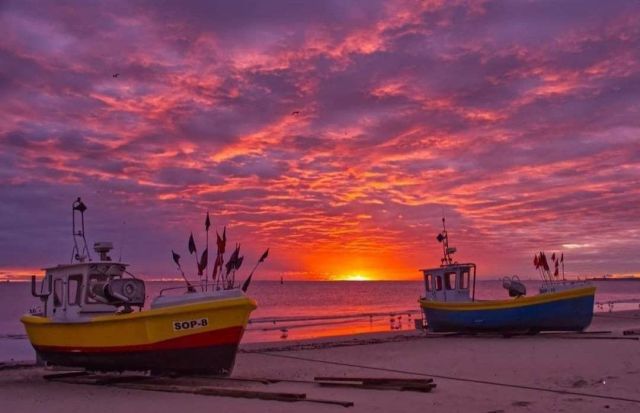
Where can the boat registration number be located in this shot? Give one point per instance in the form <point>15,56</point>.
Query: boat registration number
<point>190,324</point>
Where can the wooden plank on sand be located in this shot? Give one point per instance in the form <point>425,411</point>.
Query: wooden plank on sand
<point>423,388</point>
<point>65,375</point>
<point>237,393</point>
<point>378,383</point>
<point>375,380</point>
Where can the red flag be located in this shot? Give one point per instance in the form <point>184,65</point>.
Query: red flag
<point>218,264</point>
<point>535,261</point>
<point>222,242</point>
<point>264,255</point>
<point>207,222</point>
<point>556,272</point>
<point>553,256</point>
<point>545,264</point>
<point>562,257</point>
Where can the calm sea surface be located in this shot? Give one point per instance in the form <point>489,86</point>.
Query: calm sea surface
<point>297,309</point>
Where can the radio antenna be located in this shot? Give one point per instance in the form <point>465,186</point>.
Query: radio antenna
<point>80,253</point>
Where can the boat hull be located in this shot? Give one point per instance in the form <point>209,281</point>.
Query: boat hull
<point>198,338</point>
<point>569,310</point>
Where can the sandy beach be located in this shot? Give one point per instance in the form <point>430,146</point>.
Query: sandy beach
<point>547,372</point>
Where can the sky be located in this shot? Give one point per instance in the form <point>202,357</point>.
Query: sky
<point>335,133</point>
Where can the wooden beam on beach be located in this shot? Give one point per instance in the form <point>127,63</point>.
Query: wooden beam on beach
<point>132,382</point>
<point>236,393</point>
<point>66,375</point>
<point>379,383</point>
<point>374,380</point>
<point>397,387</point>
<point>14,365</point>
<point>238,379</point>
<point>596,338</point>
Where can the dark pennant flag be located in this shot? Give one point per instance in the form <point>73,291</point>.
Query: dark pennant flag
<point>192,244</point>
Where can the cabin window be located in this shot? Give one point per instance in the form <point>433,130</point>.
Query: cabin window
<point>450,280</point>
<point>74,289</point>
<point>438,282</point>
<point>464,280</point>
<point>57,292</point>
<point>429,279</point>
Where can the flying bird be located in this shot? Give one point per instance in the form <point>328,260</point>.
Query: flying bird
<point>116,75</point>
<point>295,112</point>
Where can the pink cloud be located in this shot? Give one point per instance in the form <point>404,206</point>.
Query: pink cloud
<point>334,132</point>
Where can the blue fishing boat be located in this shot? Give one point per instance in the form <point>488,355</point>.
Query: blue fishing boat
<point>450,305</point>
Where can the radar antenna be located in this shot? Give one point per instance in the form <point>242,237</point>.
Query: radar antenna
<point>80,251</point>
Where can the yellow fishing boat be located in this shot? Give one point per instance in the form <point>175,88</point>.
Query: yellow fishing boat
<point>94,316</point>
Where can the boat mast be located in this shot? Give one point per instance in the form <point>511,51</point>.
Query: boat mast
<point>79,253</point>
<point>447,251</point>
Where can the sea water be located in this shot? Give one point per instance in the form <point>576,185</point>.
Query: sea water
<point>298,309</point>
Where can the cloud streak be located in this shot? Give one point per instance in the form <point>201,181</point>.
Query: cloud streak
<point>336,133</point>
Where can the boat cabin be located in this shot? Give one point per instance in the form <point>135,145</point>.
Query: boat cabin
<point>450,283</point>
<point>77,290</point>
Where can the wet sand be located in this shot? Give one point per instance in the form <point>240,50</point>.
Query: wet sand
<point>473,374</point>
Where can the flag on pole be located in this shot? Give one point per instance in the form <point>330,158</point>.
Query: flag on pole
<point>192,244</point>
<point>176,258</point>
<point>222,242</point>
<point>562,257</point>
<point>245,285</point>
<point>207,222</point>
<point>553,256</point>
<point>556,272</point>
<point>535,261</point>
<point>231,264</point>
<point>203,261</point>
<point>545,264</point>
<point>216,265</point>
